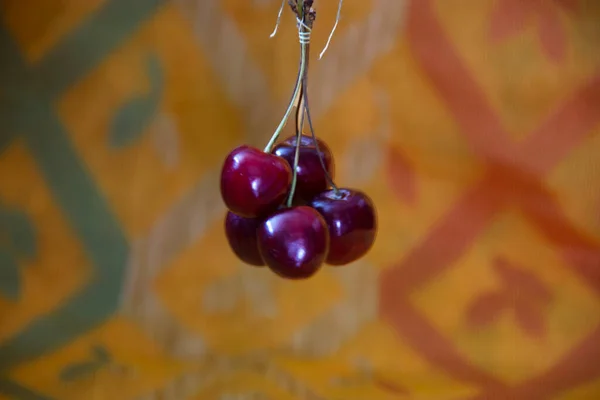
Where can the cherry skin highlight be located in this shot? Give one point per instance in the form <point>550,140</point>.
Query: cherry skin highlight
<point>254,183</point>
<point>294,242</point>
<point>311,177</point>
<point>241,235</point>
<point>352,223</point>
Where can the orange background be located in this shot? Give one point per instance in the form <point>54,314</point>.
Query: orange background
<point>474,126</point>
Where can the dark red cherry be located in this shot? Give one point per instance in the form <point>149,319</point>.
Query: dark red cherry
<point>241,234</point>
<point>294,242</point>
<point>311,178</point>
<point>254,183</point>
<point>352,221</point>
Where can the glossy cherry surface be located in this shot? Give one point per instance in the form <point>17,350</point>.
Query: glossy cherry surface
<point>254,183</point>
<point>241,235</point>
<point>294,242</point>
<point>352,223</point>
<point>311,178</point>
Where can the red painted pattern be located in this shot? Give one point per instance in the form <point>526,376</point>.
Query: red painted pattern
<point>515,176</point>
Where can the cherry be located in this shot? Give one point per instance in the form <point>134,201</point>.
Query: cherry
<point>312,180</point>
<point>241,235</point>
<point>254,183</point>
<point>352,221</point>
<point>294,242</point>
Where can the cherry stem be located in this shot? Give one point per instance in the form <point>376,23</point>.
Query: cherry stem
<point>299,128</point>
<point>290,107</point>
<point>301,72</point>
<point>300,99</point>
<point>314,136</point>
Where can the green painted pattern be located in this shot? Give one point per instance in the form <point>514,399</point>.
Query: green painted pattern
<point>136,114</point>
<point>5,137</point>
<point>99,358</point>
<point>28,96</point>
<point>88,45</point>
<point>18,392</point>
<point>18,242</point>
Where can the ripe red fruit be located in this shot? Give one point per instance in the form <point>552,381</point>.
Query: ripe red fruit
<point>352,221</point>
<point>241,234</point>
<point>311,177</point>
<point>294,242</point>
<point>254,183</point>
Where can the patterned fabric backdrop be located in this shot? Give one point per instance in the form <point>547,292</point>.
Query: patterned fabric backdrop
<point>474,125</point>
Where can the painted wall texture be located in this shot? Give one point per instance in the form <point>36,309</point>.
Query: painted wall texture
<point>473,124</point>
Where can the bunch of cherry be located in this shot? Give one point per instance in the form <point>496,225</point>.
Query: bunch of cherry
<point>318,224</point>
<point>285,210</point>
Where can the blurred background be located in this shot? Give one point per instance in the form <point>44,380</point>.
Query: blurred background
<point>473,124</point>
